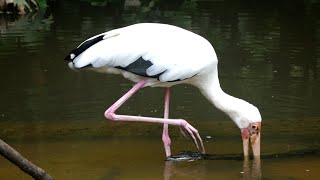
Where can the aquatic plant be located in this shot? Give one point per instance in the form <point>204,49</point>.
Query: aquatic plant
<point>21,6</point>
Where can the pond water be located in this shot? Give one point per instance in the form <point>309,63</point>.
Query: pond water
<point>269,55</point>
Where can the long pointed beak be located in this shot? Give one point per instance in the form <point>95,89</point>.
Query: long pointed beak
<point>251,135</point>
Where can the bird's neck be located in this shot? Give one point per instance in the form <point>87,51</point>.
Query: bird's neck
<point>230,105</point>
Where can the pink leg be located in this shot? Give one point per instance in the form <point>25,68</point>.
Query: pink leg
<point>110,114</point>
<point>165,134</point>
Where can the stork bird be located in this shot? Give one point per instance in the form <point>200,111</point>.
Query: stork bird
<point>161,55</point>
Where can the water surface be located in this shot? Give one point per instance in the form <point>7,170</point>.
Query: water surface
<point>269,55</point>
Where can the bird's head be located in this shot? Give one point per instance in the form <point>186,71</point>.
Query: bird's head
<point>249,122</point>
<point>251,135</point>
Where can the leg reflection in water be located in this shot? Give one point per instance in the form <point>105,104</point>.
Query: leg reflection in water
<point>245,169</point>
<point>184,170</point>
<point>251,169</point>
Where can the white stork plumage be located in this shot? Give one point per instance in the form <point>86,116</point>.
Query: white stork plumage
<point>161,55</point>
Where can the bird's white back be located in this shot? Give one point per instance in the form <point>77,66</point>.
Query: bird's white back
<point>180,53</point>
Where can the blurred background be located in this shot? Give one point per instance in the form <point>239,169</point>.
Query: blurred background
<point>269,55</point>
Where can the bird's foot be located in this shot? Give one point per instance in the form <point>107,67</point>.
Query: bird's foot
<point>189,131</point>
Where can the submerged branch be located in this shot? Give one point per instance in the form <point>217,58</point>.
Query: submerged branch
<point>25,165</point>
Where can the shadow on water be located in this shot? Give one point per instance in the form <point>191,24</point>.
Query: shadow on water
<point>251,167</point>
<point>192,156</point>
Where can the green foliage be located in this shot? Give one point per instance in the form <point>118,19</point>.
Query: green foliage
<point>42,3</point>
<point>23,6</point>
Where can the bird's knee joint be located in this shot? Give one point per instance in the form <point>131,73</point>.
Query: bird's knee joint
<point>110,115</point>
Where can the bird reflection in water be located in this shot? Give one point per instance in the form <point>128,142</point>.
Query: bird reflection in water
<point>251,169</point>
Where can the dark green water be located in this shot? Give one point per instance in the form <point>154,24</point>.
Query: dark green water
<point>269,55</point>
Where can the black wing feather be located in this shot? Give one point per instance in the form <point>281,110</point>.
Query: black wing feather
<point>84,46</point>
<point>139,67</point>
